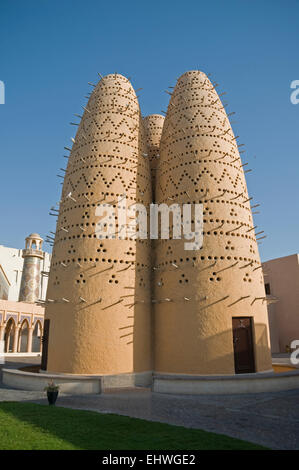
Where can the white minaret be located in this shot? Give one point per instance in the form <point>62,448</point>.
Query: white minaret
<point>31,276</point>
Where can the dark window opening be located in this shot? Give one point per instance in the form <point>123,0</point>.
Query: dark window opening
<point>267,289</point>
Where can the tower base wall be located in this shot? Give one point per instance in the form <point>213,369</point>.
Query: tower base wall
<point>74,384</point>
<point>225,385</point>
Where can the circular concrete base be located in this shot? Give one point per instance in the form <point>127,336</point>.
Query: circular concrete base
<point>226,384</point>
<point>161,383</point>
<point>71,383</point>
<point>22,380</point>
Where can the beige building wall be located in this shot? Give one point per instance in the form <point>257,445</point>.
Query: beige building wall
<point>4,285</point>
<point>21,326</point>
<point>282,277</point>
<point>98,299</point>
<point>273,329</point>
<point>197,293</point>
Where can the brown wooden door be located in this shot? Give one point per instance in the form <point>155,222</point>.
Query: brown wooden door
<point>45,342</point>
<point>243,345</point>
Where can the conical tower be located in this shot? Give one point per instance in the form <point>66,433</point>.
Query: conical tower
<point>207,301</point>
<point>153,127</point>
<point>98,299</point>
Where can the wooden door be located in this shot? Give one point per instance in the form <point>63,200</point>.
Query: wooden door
<point>243,345</point>
<point>45,342</point>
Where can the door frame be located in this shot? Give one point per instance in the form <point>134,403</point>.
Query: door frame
<point>252,338</point>
<point>45,344</point>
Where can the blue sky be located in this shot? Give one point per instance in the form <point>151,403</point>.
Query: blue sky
<point>51,49</point>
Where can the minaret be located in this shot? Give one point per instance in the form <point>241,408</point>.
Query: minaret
<point>203,297</point>
<point>31,275</point>
<point>98,298</point>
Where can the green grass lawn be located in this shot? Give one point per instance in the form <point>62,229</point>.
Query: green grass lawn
<point>31,426</point>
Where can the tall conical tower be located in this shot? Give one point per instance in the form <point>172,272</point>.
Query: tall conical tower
<point>98,299</point>
<point>31,275</point>
<point>210,314</point>
<point>153,127</point>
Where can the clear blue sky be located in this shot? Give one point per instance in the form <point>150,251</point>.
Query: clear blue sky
<point>50,49</point>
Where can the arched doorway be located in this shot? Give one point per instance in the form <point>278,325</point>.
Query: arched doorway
<point>23,336</point>
<point>37,337</point>
<point>9,335</point>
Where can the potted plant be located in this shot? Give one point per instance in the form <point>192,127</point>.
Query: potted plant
<point>52,392</point>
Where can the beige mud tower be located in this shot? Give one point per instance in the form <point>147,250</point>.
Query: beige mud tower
<point>101,298</point>
<point>98,299</point>
<point>202,296</point>
<point>153,128</point>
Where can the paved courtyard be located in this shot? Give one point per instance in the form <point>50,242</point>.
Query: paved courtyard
<point>269,419</point>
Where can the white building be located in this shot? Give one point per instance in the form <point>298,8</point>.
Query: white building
<point>12,263</point>
<point>4,284</point>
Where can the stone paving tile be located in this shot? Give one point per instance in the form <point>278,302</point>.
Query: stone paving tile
<point>227,415</point>
<point>269,419</point>
<point>7,394</point>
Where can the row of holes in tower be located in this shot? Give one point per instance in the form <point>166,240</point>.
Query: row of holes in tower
<point>148,241</point>
<point>215,277</point>
<point>166,168</point>
<point>120,128</point>
<point>140,164</point>
<point>139,168</point>
<point>106,195</point>
<point>137,163</point>
<point>114,90</point>
<point>145,241</point>
<point>77,164</point>
<point>113,279</point>
<point>200,131</point>
<point>104,199</point>
<point>108,180</point>
<point>153,137</point>
<point>181,279</point>
<point>198,171</point>
<point>213,201</point>
<point>130,185</point>
<point>229,246</point>
<point>189,93</point>
<point>212,145</point>
<point>180,262</point>
<point>122,138</point>
<point>223,231</point>
<point>202,116</point>
<point>135,155</point>
<point>193,156</point>
<point>169,181</point>
<point>199,114</point>
<point>99,260</point>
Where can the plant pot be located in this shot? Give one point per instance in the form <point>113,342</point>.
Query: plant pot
<point>52,397</point>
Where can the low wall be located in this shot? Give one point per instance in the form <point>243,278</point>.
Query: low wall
<point>23,354</point>
<point>76,385</point>
<point>73,384</point>
<point>223,385</point>
<point>161,383</point>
